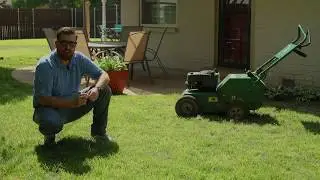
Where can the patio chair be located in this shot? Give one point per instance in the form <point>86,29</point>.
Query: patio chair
<point>82,46</point>
<point>109,33</point>
<point>124,34</point>
<point>136,50</point>
<point>51,37</point>
<point>117,28</point>
<point>154,53</point>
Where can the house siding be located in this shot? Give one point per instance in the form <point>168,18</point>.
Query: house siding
<point>130,12</point>
<point>191,44</point>
<point>274,25</point>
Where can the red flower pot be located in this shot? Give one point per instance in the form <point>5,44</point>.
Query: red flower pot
<point>118,81</point>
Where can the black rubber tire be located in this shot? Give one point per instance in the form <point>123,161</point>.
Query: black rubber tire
<point>237,111</point>
<point>187,106</point>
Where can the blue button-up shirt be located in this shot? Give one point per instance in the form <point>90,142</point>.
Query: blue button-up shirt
<point>52,78</point>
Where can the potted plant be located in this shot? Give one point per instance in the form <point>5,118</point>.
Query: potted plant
<point>117,71</point>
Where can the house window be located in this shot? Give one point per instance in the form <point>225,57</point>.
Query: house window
<point>159,12</point>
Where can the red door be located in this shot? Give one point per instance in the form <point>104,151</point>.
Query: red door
<point>234,34</point>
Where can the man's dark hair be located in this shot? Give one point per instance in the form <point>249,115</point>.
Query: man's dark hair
<point>65,31</point>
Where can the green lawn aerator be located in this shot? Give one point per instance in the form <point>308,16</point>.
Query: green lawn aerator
<point>236,94</point>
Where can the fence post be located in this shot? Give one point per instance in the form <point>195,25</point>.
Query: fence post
<point>94,22</point>
<point>75,17</point>
<point>18,23</point>
<point>71,10</point>
<point>104,19</point>
<point>33,31</point>
<point>116,12</point>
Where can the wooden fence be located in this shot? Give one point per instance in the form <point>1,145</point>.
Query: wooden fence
<point>28,23</point>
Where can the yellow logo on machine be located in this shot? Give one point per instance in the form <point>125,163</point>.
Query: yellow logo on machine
<point>213,99</point>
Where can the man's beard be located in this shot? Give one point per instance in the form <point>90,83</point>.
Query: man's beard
<point>65,56</point>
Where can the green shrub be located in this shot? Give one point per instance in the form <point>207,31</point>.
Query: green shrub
<point>296,93</point>
<point>111,63</point>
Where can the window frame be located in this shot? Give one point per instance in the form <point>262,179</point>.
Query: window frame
<point>158,25</point>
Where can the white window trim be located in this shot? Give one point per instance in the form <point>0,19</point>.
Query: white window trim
<point>160,25</point>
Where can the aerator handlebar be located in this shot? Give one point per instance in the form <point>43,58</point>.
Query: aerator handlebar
<point>303,39</point>
<point>306,36</point>
<point>306,41</point>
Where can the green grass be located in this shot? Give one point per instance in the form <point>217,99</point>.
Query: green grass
<point>152,142</point>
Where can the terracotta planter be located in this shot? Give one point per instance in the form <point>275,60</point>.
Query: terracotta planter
<point>118,81</point>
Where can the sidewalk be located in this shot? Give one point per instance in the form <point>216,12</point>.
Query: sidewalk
<point>173,83</point>
<point>139,86</point>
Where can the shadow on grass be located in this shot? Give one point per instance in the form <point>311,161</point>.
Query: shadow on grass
<point>261,119</point>
<point>308,107</point>
<point>12,89</point>
<point>253,118</point>
<point>70,154</point>
<point>313,127</point>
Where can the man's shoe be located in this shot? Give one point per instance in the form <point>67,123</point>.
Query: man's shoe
<point>49,141</point>
<point>103,137</point>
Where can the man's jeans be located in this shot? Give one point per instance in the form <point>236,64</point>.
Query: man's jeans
<point>51,120</point>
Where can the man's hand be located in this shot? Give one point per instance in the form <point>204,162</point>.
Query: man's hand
<point>93,94</point>
<point>57,102</point>
<point>82,100</point>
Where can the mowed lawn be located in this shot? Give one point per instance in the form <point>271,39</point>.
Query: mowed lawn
<point>276,142</point>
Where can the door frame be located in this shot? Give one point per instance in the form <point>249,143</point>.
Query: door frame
<point>221,11</point>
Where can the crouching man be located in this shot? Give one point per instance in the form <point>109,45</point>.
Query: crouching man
<point>57,98</point>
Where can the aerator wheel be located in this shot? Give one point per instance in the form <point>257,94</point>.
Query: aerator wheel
<point>187,106</point>
<point>237,111</point>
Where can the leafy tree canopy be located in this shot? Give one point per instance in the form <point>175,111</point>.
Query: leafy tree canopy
<point>28,3</point>
<point>58,3</point>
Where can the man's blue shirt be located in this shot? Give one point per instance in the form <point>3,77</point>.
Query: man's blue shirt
<point>52,78</point>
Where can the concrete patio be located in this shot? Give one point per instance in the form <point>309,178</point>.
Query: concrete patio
<point>162,84</point>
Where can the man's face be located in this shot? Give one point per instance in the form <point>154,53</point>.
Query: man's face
<point>66,46</point>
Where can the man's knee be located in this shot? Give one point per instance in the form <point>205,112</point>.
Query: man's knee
<point>105,92</point>
<point>49,120</point>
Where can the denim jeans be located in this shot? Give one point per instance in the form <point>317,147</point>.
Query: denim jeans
<point>51,120</point>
